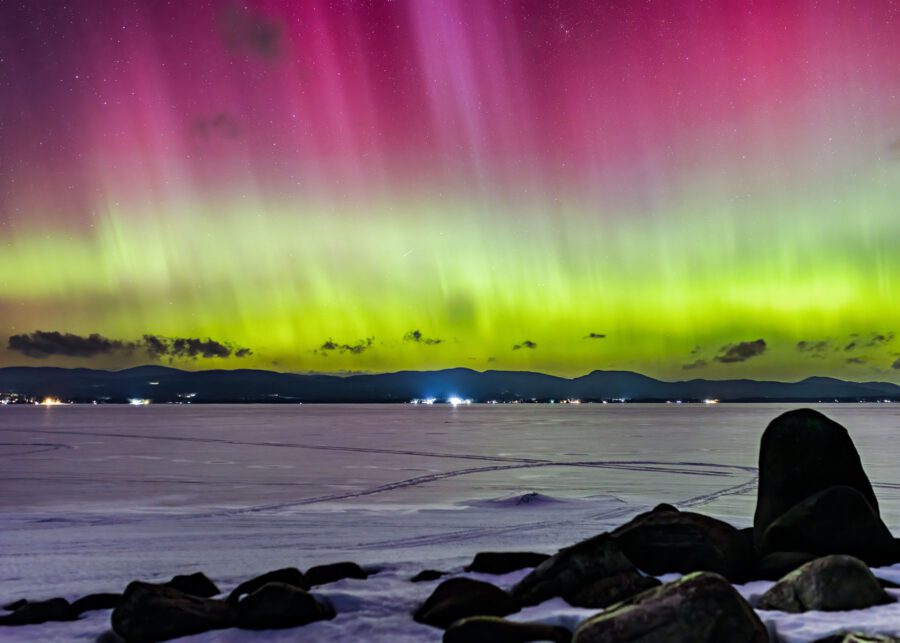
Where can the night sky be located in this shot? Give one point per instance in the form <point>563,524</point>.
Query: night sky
<point>685,189</point>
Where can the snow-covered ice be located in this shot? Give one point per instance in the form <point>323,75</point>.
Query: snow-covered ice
<point>92,498</point>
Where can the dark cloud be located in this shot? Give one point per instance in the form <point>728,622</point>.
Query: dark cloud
<point>595,336</point>
<point>42,344</point>
<point>354,349</point>
<point>857,360</point>
<point>896,364</point>
<point>879,339</point>
<point>740,352</point>
<point>526,344</point>
<point>696,350</point>
<point>872,340</point>
<point>219,125</point>
<point>245,30</point>
<point>159,347</point>
<point>700,363</point>
<point>813,346</point>
<point>417,337</point>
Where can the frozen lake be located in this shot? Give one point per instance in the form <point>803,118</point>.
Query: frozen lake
<point>93,497</point>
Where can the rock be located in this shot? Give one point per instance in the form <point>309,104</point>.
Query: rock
<point>572,568</point>
<point>887,584</point>
<point>608,591</point>
<point>664,506</point>
<point>490,629</point>
<point>196,584</point>
<point>858,637</point>
<point>12,607</point>
<point>109,637</point>
<point>427,575</point>
<point>150,612</point>
<point>837,520</point>
<point>829,584</point>
<point>323,574</point>
<point>289,576</point>
<point>698,608</point>
<point>34,612</point>
<point>503,562</point>
<point>660,542</point>
<point>802,453</point>
<point>278,606</point>
<point>91,602</point>
<point>780,563</point>
<point>458,598</point>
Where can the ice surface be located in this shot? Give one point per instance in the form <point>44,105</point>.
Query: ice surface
<point>92,498</point>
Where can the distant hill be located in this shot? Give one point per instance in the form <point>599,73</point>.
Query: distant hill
<point>162,384</point>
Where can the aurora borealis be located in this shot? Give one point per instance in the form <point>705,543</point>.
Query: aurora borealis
<point>557,186</point>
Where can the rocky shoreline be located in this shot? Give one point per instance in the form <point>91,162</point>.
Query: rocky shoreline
<point>816,531</point>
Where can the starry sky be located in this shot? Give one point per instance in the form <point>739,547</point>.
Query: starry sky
<point>681,188</point>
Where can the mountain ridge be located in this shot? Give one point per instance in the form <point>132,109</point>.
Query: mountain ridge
<point>167,384</point>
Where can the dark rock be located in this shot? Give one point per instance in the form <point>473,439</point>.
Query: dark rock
<point>572,568</point>
<point>780,563</point>
<point>196,584</point>
<point>12,607</point>
<point>109,637</point>
<point>838,520</point>
<point>458,598</point>
<point>612,590</point>
<point>34,612</point>
<point>279,605</point>
<point>664,506</point>
<point>427,575</point>
<point>660,542</point>
<point>802,453</point>
<point>829,584</point>
<point>91,602</point>
<point>698,608</point>
<point>857,637</point>
<point>887,584</point>
<point>289,576</point>
<point>490,629</point>
<point>150,612</point>
<point>503,562</point>
<point>323,574</point>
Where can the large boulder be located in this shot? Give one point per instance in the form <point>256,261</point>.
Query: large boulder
<point>572,568</point>
<point>150,612</point>
<point>503,562</point>
<point>458,598</point>
<point>289,576</point>
<point>91,602</point>
<point>279,605</point>
<point>802,453</point>
<point>698,608</point>
<point>324,574</point>
<point>614,589</point>
<point>829,584</point>
<point>664,541</point>
<point>490,629</point>
<point>837,520</point>
<point>427,575</point>
<point>34,612</point>
<point>196,584</point>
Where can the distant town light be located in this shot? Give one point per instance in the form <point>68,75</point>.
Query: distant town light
<point>138,401</point>
<point>51,401</point>
<point>456,401</point>
<point>710,401</point>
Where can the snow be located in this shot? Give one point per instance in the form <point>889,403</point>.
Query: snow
<point>92,499</point>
